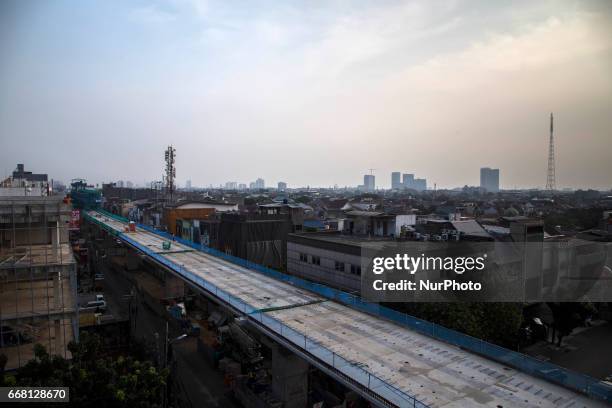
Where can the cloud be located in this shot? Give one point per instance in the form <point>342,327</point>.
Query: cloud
<point>152,14</point>
<point>317,93</point>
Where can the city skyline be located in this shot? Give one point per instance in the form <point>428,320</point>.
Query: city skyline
<point>98,89</point>
<point>406,181</point>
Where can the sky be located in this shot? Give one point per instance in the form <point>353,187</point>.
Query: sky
<point>311,93</point>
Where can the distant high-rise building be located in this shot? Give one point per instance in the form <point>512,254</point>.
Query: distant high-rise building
<point>489,179</point>
<point>188,184</point>
<point>369,183</point>
<point>242,186</point>
<point>257,184</point>
<point>231,185</point>
<point>408,181</point>
<point>282,186</point>
<point>396,182</point>
<point>420,184</point>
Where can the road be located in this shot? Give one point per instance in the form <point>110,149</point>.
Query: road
<point>202,383</point>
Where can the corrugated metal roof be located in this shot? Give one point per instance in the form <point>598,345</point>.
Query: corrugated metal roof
<point>470,227</point>
<point>365,213</point>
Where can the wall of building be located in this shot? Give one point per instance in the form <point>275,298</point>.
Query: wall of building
<point>402,220</point>
<point>33,221</point>
<point>259,238</point>
<point>23,191</point>
<point>325,272</point>
<point>171,215</point>
<point>221,207</point>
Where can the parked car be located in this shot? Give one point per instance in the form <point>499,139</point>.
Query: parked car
<point>97,305</point>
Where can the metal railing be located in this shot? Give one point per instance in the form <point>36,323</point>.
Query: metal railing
<point>362,377</point>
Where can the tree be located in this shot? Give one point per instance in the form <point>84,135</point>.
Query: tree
<point>568,316</point>
<point>96,381</point>
<point>498,323</point>
<point>303,199</point>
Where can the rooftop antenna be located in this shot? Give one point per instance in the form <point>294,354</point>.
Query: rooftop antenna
<point>170,156</point>
<point>550,178</point>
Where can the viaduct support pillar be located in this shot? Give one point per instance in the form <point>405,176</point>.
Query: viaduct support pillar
<point>289,378</point>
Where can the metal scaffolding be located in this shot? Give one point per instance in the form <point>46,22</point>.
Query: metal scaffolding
<point>38,286</point>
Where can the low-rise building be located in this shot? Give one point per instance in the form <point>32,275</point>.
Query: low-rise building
<point>25,183</point>
<point>330,258</point>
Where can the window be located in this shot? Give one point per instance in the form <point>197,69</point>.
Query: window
<point>316,260</point>
<point>303,257</point>
<point>356,270</point>
<point>339,266</point>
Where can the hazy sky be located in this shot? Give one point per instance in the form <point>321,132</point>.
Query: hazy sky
<point>311,93</point>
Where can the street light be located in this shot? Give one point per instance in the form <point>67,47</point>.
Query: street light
<point>181,337</point>
<point>168,343</point>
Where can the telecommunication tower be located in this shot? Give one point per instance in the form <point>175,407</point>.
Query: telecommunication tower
<point>170,156</point>
<point>550,178</point>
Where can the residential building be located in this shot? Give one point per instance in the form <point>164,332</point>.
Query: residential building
<point>408,181</point>
<point>420,184</point>
<point>369,183</point>
<point>25,183</point>
<point>259,184</point>
<point>182,218</point>
<point>396,182</point>
<point>450,230</point>
<point>374,223</point>
<point>282,186</point>
<point>489,179</point>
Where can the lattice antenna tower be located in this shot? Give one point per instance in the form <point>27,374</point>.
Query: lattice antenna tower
<point>550,178</point>
<point>170,156</point>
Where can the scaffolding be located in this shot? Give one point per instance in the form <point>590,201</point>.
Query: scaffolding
<point>38,285</point>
